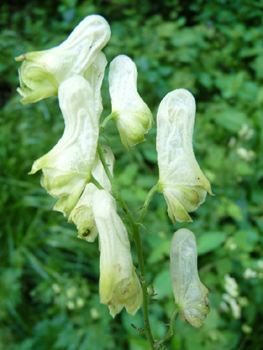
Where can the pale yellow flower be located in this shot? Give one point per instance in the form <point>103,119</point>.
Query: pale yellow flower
<point>180,178</point>
<point>42,72</point>
<point>190,294</point>
<point>119,285</point>
<point>131,114</point>
<point>67,167</point>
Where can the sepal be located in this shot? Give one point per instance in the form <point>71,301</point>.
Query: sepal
<point>131,114</point>
<point>42,72</point>
<point>67,167</point>
<point>119,285</point>
<point>190,294</point>
<point>180,178</point>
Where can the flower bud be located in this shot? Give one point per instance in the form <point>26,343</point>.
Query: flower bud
<point>42,72</point>
<point>82,214</point>
<point>119,284</point>
<point>131,114</point>
<point>190,294</point>
<point>181,180</point>
<point>67,167</point>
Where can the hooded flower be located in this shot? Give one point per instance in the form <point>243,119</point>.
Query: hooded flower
<point>181,180</point>
<point>131,114</point>
<point>82,214</point>
<point>67,167</point>
<point>119,284</point>
<point>190,294</point>
<point>42,72</point>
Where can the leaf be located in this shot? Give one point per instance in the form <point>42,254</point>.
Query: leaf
<point>162,284</point>
<point>210,241</point>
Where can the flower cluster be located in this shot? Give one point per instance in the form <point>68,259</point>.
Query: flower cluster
<point>79,174</point>
<point>74,71</point>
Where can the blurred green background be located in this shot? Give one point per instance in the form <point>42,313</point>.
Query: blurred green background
<point>49,278</point>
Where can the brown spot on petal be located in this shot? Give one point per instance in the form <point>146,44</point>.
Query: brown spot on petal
<point>86,233</point>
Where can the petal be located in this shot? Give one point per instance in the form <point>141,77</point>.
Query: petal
<point>67,167</point>
<point>82,215</point>
<point>119,284</point>
<point>133,117</point>
<point>45,70</point>
<point>190,294</point>
<point>180,175</point>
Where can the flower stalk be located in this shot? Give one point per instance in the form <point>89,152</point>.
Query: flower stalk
<point>138,243</point>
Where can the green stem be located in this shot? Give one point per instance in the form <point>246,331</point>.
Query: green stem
<point>115,191</point>
<point>96,183</point>
<point>111,116</point>
<point>147,202</point>
<point>138,244</point>
<point>170,331</point>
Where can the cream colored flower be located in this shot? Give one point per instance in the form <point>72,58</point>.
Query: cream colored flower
<point>180,178</point>
<point>190,294</point>
<point>82,214</point>
<point>42,72</point>
<point>131,114</point>
<point>119,284</point>
<point>67,167</point>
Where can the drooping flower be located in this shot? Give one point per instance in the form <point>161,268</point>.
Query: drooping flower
<point>131,114</point>
<point>42,72</point>
<point>67,167</point>
<point>190,294</point>
<point>180,178</point>
<point>119,285</point>
<point>82,214</point>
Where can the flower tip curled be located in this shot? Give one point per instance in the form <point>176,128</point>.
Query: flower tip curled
<point>132,116</point>
<point>190,294</point>
<point>42,72</point>
<point>183,183</point>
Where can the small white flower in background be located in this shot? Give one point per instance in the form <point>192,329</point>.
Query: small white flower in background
<point>190,294</point>
<point>181,180</point>
<point>224,306</point>
<point>119,285</point>
<point>80,303</point>
<point>245,132</point>
<point>235,308</point>
<point>230,244</point>
<point>231,286</point>
<point>249,273</point>
<point>94,313</point>
<point>260,264</point>
<point>42,72</point>
<point>245,154</point>
<point>82,214</point>
<point>67,167</point>
<point>131,114</point>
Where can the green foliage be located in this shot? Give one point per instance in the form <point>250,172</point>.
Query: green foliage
<point>49,278</point>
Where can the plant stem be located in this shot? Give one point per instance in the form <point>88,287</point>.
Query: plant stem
<point>154,189</point>
<point>138,244</point>
<point>96,183</point>
<point>170,331</point>
<point>115,191</point>
<point>111,116</point>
